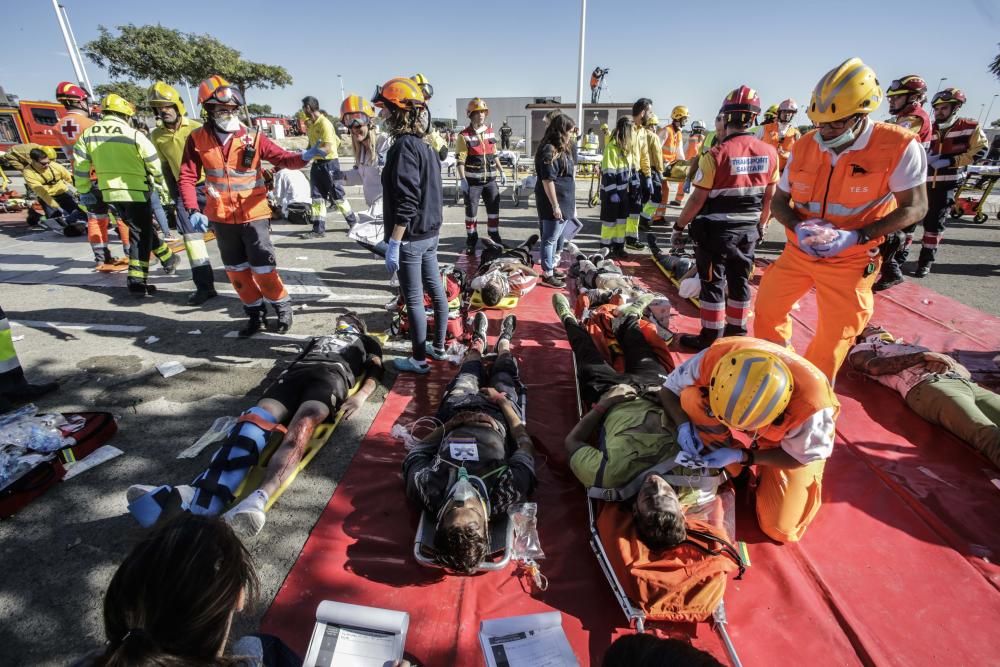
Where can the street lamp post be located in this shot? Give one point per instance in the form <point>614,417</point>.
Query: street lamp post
<point>991,107</point>
<point>341,79</point>
<point>940,81</point>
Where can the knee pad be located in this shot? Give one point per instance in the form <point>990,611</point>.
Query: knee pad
<point>217,486</point>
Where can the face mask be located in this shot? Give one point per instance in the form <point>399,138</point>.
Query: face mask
<point>465,489</point>
<point>228,125</point>
<point>844,139</point>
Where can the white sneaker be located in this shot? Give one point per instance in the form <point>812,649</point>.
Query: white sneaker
<point>248,517</point>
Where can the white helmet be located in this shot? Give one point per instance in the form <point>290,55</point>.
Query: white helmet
<point>698,125</point>
<point>789,105</point>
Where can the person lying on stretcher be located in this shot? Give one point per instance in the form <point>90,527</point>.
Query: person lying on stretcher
<point>934,385</point>
<point>682,267</point>
<point>635,433</point>
<point>504,271</point>
<point>309,392</point>
<point>469,470</point>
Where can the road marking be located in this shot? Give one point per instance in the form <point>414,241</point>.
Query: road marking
<point>66,326</point>
<point>269,336</point>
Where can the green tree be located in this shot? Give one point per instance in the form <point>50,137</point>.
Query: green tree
<point>130,90</point>
<point>154,52</point>
<point>995,123</point>
<point>259,109</point>
<point>995,65</point>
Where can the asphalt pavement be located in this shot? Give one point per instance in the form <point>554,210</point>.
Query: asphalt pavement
<point>102,346</point>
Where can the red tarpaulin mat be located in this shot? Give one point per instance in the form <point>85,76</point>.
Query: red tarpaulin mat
<point>877,579</point>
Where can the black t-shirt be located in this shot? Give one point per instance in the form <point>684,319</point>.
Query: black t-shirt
<point>356,354</point>
<point>505,131</point>
<point>549,167</point>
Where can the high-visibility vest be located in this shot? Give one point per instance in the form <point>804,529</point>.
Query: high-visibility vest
<point>744,167</point>
<point>120,156</point>
<point>481,147</point>
<point>771,134</point>
<point>811,390</point>
<point>673,144</point>
<point>234,194</point>
<point>693,146</point>
<point>854,192</point>
<point>951,142</point>
<point>916,120</point>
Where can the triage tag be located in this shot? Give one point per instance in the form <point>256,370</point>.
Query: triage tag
<point>464,449</point>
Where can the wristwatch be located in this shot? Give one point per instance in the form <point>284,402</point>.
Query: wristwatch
<point>863,237</point>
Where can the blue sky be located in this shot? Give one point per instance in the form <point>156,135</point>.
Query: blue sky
<point>689,53</point>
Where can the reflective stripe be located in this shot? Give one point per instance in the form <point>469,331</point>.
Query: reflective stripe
<point>217,173</point>
<point>238,267</point>
<point>944,177</point>
<point>959,133</point>
<point>4,325</point>
<point>775,397</point>
<point>840,209</point>
<point>9,364</point>
<point>262,269</point>
<point>101,138</point>
<point>737,390</point>
<point>152,158</point>
<point>738,192</point>
<point>733,217</point>
<point>709,305</point>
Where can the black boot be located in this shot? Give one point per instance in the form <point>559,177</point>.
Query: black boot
<point>471,240</point>
<point>495,237</point>
<point>654,245</point>
<point>26,393</point>
<point>257,321</point>
<point>507,328</point>
<point>618,251</point>
<point>480,325</point>
<point>140,290</point>
<point>284,313</point>
<point>201,296</point>
<point>170,266</point>
<point>922,270</point>
<point>694,342</point>
<point>634,243</point>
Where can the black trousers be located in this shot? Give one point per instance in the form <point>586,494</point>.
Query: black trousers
<point>138,217</point>
<point>724,254</point>
<point>489,192</point>
<point>940,199</point>
<point>596,376</point>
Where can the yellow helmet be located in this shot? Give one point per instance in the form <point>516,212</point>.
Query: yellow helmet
<point>118,104</point>
<point>476,104</point>
<point>772,110</point>
<point>749,389</point>
<point>847,89</point>
<point>652,120</point>
<point>424,84</point>
<point>679,112</point>
<point>162,94</point>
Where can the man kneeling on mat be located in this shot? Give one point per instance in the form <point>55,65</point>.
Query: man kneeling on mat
<point>635,432</point>
<point>312,390</point>
<point>934,385</point>
<point>480,461</point>
<point>504,271</point>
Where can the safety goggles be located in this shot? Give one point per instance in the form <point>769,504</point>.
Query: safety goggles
<point>225,95</point>
<point>355,119</point>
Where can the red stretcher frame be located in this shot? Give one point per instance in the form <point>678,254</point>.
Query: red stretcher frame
<point>896,569</point>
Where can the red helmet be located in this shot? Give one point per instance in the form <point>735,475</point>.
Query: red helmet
<point>70,91</point>
<point>949,96</point>
<point>744,99</point>
<point>907,85</point>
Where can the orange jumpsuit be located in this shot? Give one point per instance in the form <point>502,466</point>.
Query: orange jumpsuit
<point>673,150</point>
<point>787,499</point>
<point>850,195</point>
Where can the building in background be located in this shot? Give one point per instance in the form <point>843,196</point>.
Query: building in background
<point>510,109</point>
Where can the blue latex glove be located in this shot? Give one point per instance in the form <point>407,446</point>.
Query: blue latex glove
<point>392,256</point>
<point>464,185</point>
<point>503,179</point>
<point>843,241</point>
<point>801,234</point>
<point>687,438</point>
<point>937,162</point>
<point>88,199</point>
<point>649,184</point>
<point>687,186</point>
<point>313,152</point>
<point>199,221</point>
<point>721,458</point>
<point>615,199</point>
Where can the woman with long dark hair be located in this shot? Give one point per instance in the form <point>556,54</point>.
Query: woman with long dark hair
<point>555,194</point>
<point>173,599</point>
<point>413,214</point>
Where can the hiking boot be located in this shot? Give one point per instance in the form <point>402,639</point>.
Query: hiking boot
<point>694,342</point>
<point>141,289</point>
<point>563,310</point>
<point>170,266</point>
<point>312,235</point>
<point>256,323</point>
<point>885,282</point>
<point>633,243</point>
<point>470,242</point>
<point>552,281</point>
<point>284,313</point>
<point>618,251</point>
<point>480,325</point>
<point>27,392</point>
<point>559,274</point>
<point>922,270</point>
<point>507,328</point>
<point>201,296</point>
<point>634,309</point>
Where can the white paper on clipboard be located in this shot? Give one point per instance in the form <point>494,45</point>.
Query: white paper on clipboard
<point>535,640</point>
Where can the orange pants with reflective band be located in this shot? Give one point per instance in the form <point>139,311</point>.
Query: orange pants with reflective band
<point>844,302</point>
<point>248,253</point>
<point>97,235</point>
<point>787,500</point>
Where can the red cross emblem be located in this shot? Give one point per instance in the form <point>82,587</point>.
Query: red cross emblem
<point>70,129</point>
